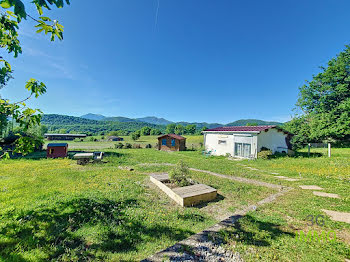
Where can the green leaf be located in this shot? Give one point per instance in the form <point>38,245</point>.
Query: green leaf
<point>35,87</point>
<point>44,18</point>
<point>5,4</point>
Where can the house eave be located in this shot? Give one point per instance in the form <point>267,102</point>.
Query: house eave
<point>225,132</point>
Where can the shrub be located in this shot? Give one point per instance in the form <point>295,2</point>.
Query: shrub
<point>128,145</point>
<point>119,146</point>
<point>28,144</point>
<point>148,146</point>
<point>179,175</point>
<point>135,136</point>
<point>265,153</point>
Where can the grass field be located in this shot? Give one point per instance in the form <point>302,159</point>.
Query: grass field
<point>193,142</point>
<point>57,210</point>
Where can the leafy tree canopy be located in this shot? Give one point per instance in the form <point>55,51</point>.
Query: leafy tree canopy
<point>325,104</point>
<point>12,13</point>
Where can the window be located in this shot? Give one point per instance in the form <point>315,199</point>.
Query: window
<point>51,151</point>
<point>164,142</point>
<point>172,142</point>
<point>222,142</point>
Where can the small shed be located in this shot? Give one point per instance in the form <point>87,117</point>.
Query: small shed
<point>55,150</point>
<point>115,138</point>
<point>171,142</point>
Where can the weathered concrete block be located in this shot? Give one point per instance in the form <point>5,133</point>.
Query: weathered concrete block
<point>185,196</point>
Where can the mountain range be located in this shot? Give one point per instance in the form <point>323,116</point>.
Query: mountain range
<point>99,124</point>
<point>161,121</point>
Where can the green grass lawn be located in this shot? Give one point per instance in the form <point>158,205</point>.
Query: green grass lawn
<point>57,210</point>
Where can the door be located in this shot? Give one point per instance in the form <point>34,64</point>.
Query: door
<point>242,149</point>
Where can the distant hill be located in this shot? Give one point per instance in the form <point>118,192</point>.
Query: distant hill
<point>243,122</point>
<point>93,117</point>
<point>201,124</point>
<point>82,125</point>
<point>54,119</point>
<point>119,119</point>
<point>95,123</point>
<point>154,120</point>
<point>149,119</point>
<point>161,121</point>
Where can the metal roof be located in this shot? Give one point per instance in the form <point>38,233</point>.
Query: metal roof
<point>72,135</point>
<point>173,136</point>
<point>57,145</point>
<point>241,128</point>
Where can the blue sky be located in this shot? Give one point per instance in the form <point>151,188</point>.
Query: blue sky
<point>198,60</point>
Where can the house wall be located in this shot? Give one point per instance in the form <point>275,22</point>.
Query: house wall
<point>273,139</point>
<point>211,142</point>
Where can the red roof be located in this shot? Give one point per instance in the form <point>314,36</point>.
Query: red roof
<point>241,128</point>
<point>173,136</point>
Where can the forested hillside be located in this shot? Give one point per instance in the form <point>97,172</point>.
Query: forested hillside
<point>56,122</point>
<point>244,122</point>
<point>80,125</point>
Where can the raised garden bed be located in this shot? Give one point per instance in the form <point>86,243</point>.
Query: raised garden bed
<point>187,195</point>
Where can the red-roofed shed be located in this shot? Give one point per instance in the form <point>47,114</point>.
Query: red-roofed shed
<point>171,142</point>
<point>55,150</point>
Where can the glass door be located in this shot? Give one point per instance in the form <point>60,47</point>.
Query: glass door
<point>246,150</point>
<point>242,149</point>
<point>238,149</point>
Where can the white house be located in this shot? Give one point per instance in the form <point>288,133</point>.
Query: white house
<point>246,141</point>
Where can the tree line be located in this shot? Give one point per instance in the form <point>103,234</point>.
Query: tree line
<point>170,129</point>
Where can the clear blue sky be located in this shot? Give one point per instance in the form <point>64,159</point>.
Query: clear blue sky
<point>199,60</point>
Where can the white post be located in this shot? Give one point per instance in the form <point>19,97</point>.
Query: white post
<point>308,149</point>
<point>329,149</point>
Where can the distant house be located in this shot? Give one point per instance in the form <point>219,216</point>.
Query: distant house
<point>115,138</point>
<point>55,150</point>
<point>64,136</point>
<point>246,141</point>
<point>171,142</point>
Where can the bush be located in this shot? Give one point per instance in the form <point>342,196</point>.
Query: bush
<point>119,146</point>
<point>265,153</point>
<point>128,145</point>
<point>28,144</point>
<point>148,146</point>
<point>179,175</point>
<point>135,136</point>
<point>136,146</point>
